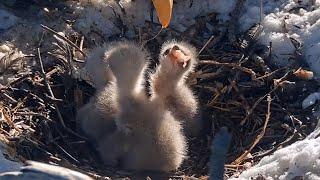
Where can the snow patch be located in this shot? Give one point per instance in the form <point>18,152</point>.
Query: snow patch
<point>286,19</point>
<point>5,164</point>
<point>7,20</point>
<point>310,100</point>
<point>301,158</point>
<point>100,14</point>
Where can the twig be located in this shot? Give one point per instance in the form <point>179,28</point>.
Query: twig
<point>43,73</point>
<point>254,107</point>
<point>8,119</point>
<point>207,75</point>
<point>32,114</point>
<point>259,137</point>
<point>277,84</point>
<point>219,108</point>
<point>269,74</point>
<point>287,141</point>
<point>64,38</point>
<point>155,36</point>
<point>81,43</point>
<point>234,166</point>
<point>206,44</point>
<point>19,80</point>
<point>50,73</point>
<point>69,59</point>
<point>233,65</point>
<point>4,131</point>
<point>20,103</point>
<point>6,116</point>
<point>9,98</point>
<point>52,95</point>
<point>68,154</point>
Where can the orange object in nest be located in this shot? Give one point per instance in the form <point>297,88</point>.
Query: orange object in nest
<point>164,11</point>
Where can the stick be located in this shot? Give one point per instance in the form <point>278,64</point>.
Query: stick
<point>68,154</point>
<point>64,38</point>
<point>206,44</point>
<point>277,83</point>
<point>30,113</point>
<point>233,65</point>
<point>259,137</point>
<point>52,95</point>
<point>288,140</point>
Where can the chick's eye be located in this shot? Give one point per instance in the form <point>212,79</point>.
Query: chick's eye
<point>166,52</point>
<point>175,47</point>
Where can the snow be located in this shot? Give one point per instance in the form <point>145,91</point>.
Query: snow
<point>310,100</point>
<point>222,6</point>
<point>7,20</point>
<point>37,170</point>
<point>282,47</point>
<point>283,20</point>
<point>94,18</point>
<point>7,165</point>
<point>100,14</point>
<point>301,158</point>
<point>8,64</point>
<point>4,48</point>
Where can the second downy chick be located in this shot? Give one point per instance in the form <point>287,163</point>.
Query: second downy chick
<point>176,61</point>
<point>97,118</point>
<point>147,136</point>
<point>97,66</point>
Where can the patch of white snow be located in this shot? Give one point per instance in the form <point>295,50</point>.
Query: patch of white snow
<point>286,19</point>
<point>7,20</point>
<point>300,159</point>
<point>5,164</point>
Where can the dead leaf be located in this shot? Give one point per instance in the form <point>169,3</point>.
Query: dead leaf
<point>303,74</point>
<point>164,11</point>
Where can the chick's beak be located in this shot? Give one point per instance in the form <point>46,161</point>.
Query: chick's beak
<point>177,56</point>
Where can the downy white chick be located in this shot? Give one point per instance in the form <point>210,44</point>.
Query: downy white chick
<point>96,118</point>
<point>147,136</point>
<point>168,84</point>
<point>97,66</point>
